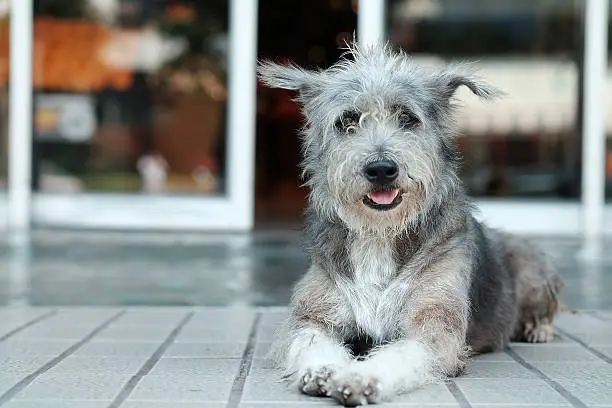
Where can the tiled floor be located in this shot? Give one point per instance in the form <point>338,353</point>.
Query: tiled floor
<point>152,321</point>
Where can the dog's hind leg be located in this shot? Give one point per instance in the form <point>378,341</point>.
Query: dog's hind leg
<point>537,289</point>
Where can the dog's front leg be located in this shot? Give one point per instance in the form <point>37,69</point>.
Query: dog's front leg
<point>433,346</point>
<point>312,356</point>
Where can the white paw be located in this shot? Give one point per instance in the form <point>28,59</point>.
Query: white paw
<point>351,389</point>
<point>539,333</point>
<point>314,382</point>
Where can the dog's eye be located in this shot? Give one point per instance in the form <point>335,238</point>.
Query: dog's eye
<point>407,119</point>
<point>347,122</point>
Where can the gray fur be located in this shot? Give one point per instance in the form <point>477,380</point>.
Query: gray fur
<point>422,279</point>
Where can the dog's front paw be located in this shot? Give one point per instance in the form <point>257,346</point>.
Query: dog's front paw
<point>315,381</point>
<point>351,389</point>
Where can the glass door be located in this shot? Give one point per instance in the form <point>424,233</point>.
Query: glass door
<point>143,113</point>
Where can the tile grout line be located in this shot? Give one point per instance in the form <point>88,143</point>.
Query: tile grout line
<point>28,324</point>
<point>460,397</point>
<point>590,349</point>
<point>146,368</point>
<point>14,390</point>
<point>569,397</point>
<point>245,366</point>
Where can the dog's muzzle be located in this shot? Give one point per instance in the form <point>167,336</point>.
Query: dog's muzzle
<point>384,196</point>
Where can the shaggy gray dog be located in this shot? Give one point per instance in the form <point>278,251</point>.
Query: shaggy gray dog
<point>405,283</point>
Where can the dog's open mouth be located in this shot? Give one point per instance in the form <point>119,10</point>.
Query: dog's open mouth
<point>383,200</point>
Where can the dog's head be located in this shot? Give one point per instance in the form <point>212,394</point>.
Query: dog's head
<point>379,139</point>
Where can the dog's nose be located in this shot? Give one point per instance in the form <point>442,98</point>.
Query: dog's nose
<point>381,172</point>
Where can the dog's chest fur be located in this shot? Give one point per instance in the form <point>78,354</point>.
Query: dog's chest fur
<point>367,290</point>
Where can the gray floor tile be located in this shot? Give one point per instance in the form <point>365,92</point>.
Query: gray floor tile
<point>261,350</point>
<point>316,402</point>
<point>590,392</point>
<point>269,389</point>
<point>196,366</point>
<point>274,318</point>
<point>23,364</point>
<point>8,380</point>
<point>507,392</point>
<point>219,335</point>
<point>56,404</point>
<point>30,348</point>
<point>497,369</point>
<point>209,350</point>
<point>118,349</point>
<point>435,394</point>
<point>497,356</point>
<point>266,333</point>
<point>74,386</point>
<point>49,331</point>
<point>607,350</point>
<point>99,365</point>
<point>543,352</point>
<point>594,371</point>
<point>153,317</point>
<point>182,388</point>
<point>134,334</point>
<point>172,404</point>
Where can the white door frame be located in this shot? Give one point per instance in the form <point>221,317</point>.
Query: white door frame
<point>231,212</point>
<point>590,216</point>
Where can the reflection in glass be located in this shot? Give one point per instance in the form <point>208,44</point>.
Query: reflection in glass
<point>129,96</point>
<point>528,143</point>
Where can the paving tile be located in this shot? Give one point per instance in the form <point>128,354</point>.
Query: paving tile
<point>607,350</point>
<point>215,335</point>
<point>8,380</point>
<point>210,350</point>
<point>118,349</point>
<point>272,389</point>
<point>196,366</point>
<point>273,318</point>
<point>74,386</point>
<point>266,333</point>
<point>23,364</point>
<point>593,371</point>
<point>182,387</point>
<point>435,394</point>
<point>99,365</point>
<point>590,392</point>
<point>172,404</point>
<point>497,369</point>
<point>542,352</point>
<point>134,334</point>
<point>315,402</point>
<point>497,356</point>
<point>221,319</point>
<point>151,317</point>
<point>48,331</point>
<point>17,348</point>
<point>507,392</point>
<point>56,404</point>
<point>261,350</point>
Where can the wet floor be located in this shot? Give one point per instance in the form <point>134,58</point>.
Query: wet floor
<point>68,268</point>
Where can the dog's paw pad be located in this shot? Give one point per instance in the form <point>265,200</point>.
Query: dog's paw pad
<point>314,382</point>
<point>353,391</point>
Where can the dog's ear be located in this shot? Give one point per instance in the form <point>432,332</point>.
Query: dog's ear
<point>287,76</point>
<point>449,80</point>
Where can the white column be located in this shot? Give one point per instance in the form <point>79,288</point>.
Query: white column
<point>593,131</point>
<point>371,21</point>
<point>242,85</point>
<point>20,115</point>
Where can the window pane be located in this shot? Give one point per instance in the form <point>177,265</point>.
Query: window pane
<point>130,96</point>
<point>527,144</point>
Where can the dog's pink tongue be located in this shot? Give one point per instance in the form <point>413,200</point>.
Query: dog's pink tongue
<point>383,197</point>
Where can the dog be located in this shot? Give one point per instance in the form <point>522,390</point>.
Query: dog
<point>405,284</point>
